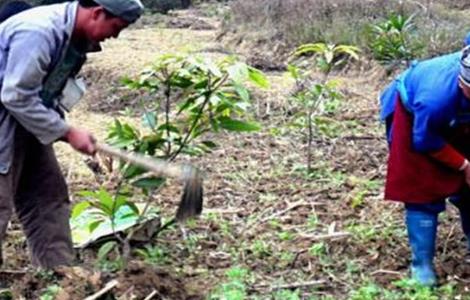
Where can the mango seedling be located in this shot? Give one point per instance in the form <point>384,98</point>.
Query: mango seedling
<point>312,96</point>
<point>186,97</point>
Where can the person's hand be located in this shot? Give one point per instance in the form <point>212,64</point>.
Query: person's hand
<point>466,170</point>
<point>82,141</point>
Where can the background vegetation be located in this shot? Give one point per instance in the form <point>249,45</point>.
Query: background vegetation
<point>161,6</point>
<point>293,22</point>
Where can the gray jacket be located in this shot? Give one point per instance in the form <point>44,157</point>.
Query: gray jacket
<point>31,44</point>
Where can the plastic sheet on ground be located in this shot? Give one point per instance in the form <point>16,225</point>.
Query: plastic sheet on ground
<point>125,219</point>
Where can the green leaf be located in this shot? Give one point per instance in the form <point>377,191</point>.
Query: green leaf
<point>131,214</point>
<point>181,82</point>
<point>349,50</point>
<point>127,80</point>
<point>105,199</point>
<point>258,77</point>
<point>238,72</point>
<point>293,71</point>
<point>242,106</point>
<point>149,182</point>
<point>213,68</point>
<point>100,211</point>
<point>214,125</point>
<point>132,170</point>
<point>242,92</point>
<point>133,207</point>
<point>87,194</point>
<point>188,102</point>
<point>150,119</point>
<point>93,225</point>
<point>155,144</point>
<point>105,249</point>
<point>237,125</point>
<point>79,208</point>
<point>119,201</point>
<point>170,127</point>
<point>310,48</point>
<point>209,144</point>
<point>142,253</point>
<point>192,151</point>
<point>122,143</point>
<point>201,84</point>
<point>199,130</point>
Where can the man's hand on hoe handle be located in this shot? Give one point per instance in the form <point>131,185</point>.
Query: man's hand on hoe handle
<point>81,140</point>
<point>466,169</point>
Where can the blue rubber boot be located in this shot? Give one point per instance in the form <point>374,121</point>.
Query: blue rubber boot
<point>422,229</point>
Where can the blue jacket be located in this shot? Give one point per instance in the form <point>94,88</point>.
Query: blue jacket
<point>429,90</point>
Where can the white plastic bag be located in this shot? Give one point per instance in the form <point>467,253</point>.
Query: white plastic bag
<point>73,91</point>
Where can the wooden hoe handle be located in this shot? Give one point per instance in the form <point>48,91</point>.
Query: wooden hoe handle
<point>157,166</point>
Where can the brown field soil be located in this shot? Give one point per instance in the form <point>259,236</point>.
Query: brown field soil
<point>325,234</point>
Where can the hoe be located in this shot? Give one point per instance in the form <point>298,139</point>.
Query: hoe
<point>191,201</point>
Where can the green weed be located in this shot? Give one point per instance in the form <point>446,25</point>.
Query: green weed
<point>153,255</point>
<point>50,292</point>
<point>109,257</point>
<point>363,232</point>
<point>317,249</point>
<point>392,39</point>
<point>234,288</point>
<point>285,236</point>
<point>406,289</point>
<point>287,295</point>
<point>261,248</point>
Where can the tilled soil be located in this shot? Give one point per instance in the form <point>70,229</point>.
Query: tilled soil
<point>324,234</point>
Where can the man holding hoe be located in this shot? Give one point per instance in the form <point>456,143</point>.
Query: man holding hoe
<point>41,51</point>
<point>427,115</point>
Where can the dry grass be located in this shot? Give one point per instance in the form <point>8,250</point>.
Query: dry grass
<point>295,22</point>
<point>299,21</point>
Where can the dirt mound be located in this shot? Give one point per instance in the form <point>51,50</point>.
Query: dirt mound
<point>141,280</point>
<point>137,282</point>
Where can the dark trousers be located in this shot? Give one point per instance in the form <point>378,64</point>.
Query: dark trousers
<point>37,191</point>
